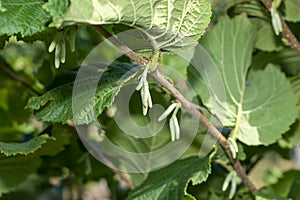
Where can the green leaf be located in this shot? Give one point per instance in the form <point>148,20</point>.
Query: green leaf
<point>266,38</point>
<point>296,86</point>
<point>291,139</point>
<point>292,10</point>
<point>269,197</point>
<point>260,105</point>
<point>23,16</point>
<point>3,99</point>
<point>15,170</point>
<point>294,192</point>
<point>252,8</point>
<point>172,23</point>
<point>56,105</point>
<point>283,186</point>
<point>25,148</point>
<point>170,182</point>
<point>57,9</point>
<point>60,137</point>
<point>287,59</point>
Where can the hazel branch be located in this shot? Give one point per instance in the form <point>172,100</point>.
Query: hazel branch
<point>286,32</point>
<point>190,108</point>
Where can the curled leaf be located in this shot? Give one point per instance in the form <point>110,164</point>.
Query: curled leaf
<point>72,38</point>
<point>57,56</point>
<point>167,112</point>
<point>172,129</point>
<point>177,128</point>
<point>276,22</point>
<point>52,45</point>
<point>63,52</point>
<point>234,180</point>
<point>233,147</point>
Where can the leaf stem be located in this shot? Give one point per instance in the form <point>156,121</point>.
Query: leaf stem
<point>121,46</point>
<point>235,130</point>
<point>286,32</point>
<point>191,108</point>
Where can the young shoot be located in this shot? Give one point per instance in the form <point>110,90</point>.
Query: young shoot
<point>173,122</point>
<point>59,45</point>
<point>143,86</point>
<point>232,179</point>
<point>276,22</point>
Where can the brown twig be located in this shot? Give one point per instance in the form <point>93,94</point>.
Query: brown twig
<point>17,78</point>
<point>186,104</point>
<point>286,32</point>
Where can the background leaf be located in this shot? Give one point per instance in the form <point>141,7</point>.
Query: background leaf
<point>23,16</point>
<point>24,148</point>
<point>291,139</point>
<point>294,192</point>
<point>262,196</point>
<point>15,170</point>
<point>287,59</point>
<point>284,184</point>
<point>291,10</point>
<point>169,22</point>
<point>60,138</point>
<point>251,99</point>
<point>266,38</point>
<point>57,9</point>
<point>59,100</point>
<point>170,182</point>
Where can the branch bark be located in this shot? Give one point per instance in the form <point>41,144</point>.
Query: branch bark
<point>286,32</point>
<point>186,104</point>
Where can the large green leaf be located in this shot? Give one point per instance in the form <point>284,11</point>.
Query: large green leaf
<point>291,139</point>
<point>22,16</point>
<point>174,23</point>
<point>15,170</point>
<point>260,105</point>
<point>170,182</point>
<point>56,105</point>
<point>296,86</point>
<point>292,10</point>
<point>24,148</point>
<point>57,9</point>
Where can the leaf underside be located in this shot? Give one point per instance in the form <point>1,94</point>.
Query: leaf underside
<point>57,9</point>
<point>171,24</point>
<point>292,10</point>
<point>261,105</point>
<point>15,170</point>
